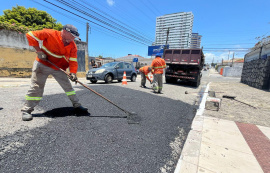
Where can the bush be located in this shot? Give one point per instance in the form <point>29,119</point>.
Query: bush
<point>15,27</point>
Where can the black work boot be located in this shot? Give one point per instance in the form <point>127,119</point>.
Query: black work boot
<point>81,109</point>
<point>26,116</point>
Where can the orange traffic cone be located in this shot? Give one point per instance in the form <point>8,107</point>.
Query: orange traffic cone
<point>124,80</point>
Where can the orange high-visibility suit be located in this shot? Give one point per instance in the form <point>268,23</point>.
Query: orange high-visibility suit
<point>50,42</point>
<point>144,74</point>
<point>158,64</point>
<point>60,55</point>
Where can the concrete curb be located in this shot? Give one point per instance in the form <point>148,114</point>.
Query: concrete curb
<point>191,150</point>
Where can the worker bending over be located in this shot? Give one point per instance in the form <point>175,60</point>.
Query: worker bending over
<point>59,48</point>
<point>144,75</point>
<point>158,64</point>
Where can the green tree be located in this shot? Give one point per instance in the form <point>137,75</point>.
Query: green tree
<point>27,19</point>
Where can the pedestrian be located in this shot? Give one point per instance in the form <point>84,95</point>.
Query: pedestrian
<point>93,64</point>
<point>144,75</point>
<point>158,64</point>
<point>59,48</point>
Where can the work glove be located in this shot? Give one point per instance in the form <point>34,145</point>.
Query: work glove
<point>73,77</point>
<point>42,56</point>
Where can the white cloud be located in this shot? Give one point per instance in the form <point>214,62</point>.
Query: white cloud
<point>209,57</point>
<point>110,2</point>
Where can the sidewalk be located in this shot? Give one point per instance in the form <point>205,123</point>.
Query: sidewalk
<point>235,139</point>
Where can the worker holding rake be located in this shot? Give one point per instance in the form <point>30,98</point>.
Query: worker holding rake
<point>59,48</point>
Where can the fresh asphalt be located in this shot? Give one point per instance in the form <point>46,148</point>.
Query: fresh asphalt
<point>71,143</point>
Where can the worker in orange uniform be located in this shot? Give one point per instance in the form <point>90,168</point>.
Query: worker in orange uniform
<point>158,64</point>
<point>144,75</point>
<point>59,48</point>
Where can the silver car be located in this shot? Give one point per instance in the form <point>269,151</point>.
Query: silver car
<point>112,71</point>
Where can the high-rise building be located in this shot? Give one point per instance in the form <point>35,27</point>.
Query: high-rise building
<point>195,40</point>
<point>180,29</point>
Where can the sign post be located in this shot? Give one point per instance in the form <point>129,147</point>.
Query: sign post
<point>135,60</point>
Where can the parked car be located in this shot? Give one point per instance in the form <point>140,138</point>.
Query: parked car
<point>112,71</point>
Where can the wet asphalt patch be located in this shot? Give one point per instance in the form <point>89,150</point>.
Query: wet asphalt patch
<point>73,143</point>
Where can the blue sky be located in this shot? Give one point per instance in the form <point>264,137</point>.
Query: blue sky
<point>222,24</point>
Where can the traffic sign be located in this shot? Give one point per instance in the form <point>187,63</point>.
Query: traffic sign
<point>135,59</point>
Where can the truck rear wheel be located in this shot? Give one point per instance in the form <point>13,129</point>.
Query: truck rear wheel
<point>198,82</point>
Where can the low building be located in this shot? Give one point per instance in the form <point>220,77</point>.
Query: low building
<point>141,60</point>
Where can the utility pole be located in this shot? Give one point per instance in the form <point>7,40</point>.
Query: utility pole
<point>229,56</point>
<point>87,30</point>
<point>232,58</point>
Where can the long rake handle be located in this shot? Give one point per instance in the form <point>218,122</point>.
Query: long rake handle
<point>90,89</point>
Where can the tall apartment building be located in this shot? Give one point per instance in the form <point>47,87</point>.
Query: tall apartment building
<point>180,29</point>
<point>195,40</point>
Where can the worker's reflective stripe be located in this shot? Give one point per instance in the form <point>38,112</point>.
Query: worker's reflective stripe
<point>164,66</point>
<point>71,93</point>
<point>52,54</point>
<point>33,98</point>
<point>159,67</point>
<point>32,35</point>
<point>157,87</point>
<point>44,48</point>
<point>73,59</point>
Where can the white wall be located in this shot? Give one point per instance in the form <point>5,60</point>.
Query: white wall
<point>232,71</point>
<point>13,39</point>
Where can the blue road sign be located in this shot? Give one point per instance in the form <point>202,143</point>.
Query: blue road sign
<point>153,50</point>
<point>135,59</point>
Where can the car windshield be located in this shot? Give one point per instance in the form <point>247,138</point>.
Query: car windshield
<point>111,64</point>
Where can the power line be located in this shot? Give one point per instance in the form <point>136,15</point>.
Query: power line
<point>94,22</point>
<point>140,10</point>
<point>79,21</point>
<point>92,6</point>
<point>104,22</point>
<point>152,5</point>
<point>83,23</point>
<point>111,21</point>
<point>149,7</point>
<point>127,17</point>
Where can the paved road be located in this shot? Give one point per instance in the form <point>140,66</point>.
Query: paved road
<point>58,141</point>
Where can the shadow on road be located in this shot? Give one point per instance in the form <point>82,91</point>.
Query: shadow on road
<point>61,112</point>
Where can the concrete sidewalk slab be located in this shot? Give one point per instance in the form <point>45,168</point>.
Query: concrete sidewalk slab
<point>225,145</point>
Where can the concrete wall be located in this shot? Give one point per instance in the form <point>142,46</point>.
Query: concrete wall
<point>255,52</point>
<point>232,71</point>
<point>256,73</point>
<point>16,57</point>
<point>13,39</point>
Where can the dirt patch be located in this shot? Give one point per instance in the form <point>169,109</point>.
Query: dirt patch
<point>236,111</point>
